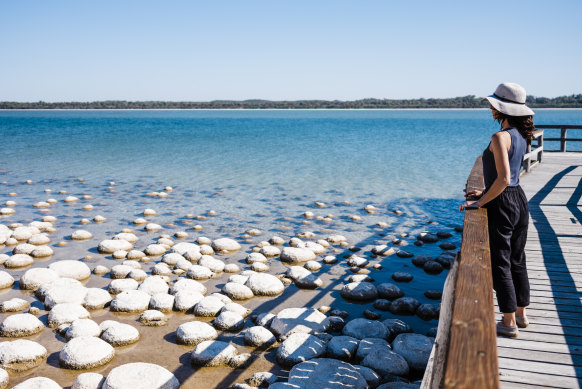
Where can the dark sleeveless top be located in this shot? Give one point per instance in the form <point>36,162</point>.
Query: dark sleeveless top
<point>515,153</point>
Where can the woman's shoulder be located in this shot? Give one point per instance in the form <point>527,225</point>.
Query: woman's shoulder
<point>500,135</point>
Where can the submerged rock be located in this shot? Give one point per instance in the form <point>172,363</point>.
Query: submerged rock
<point>299,347</point>
<point>195,332</point>
<point>359,291</point>
<point>140,375</point>
<point>263,284</point>
<point>212,353</point>
<point>297,255</point>
<point>342,347</point>
<point>415,348</point>
<point>386,362</point>
<point>389,291</point>
<point>404,306</point>
<point>259,337</point>
<point>225,244</point>
<point>363,328</point>
<point>326,373</point>
<point>88,381</point>
<point>21,324</point>
<point>131,301</point>
<point>120,334</point>
<point>293,320</point>
<point>85,352</point>
<point>38,383</point>
<point>21,355</point>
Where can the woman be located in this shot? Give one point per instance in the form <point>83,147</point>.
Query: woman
<point>507,208</point>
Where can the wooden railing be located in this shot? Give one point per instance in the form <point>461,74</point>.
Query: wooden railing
<point>465,351</point>
<point>563,139</point>
<point>533,157</point>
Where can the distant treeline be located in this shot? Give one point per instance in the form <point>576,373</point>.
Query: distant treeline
<point>573,101</point>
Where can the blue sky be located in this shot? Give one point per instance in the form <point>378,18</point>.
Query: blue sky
<point>206,50</point>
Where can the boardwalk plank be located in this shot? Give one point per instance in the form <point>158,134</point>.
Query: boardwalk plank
<point>546,380</point>
<point>549,352</point>
<point>540,356</point>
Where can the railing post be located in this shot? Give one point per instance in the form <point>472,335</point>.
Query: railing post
<point>540,144</point>
<point>528,160</point>
<point>563,139</point>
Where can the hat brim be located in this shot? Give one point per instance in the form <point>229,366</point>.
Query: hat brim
<point>511,109</point>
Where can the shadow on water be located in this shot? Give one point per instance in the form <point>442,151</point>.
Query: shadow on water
<point>553,254</point>
<point>331,288</point>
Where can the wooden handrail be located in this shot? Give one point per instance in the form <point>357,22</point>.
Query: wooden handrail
<point>465,352</point>
<point>533,157</point>
<point>563,133</point>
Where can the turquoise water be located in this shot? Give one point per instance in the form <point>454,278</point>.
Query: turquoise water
<point>257,161</point>
<point>391,154</point>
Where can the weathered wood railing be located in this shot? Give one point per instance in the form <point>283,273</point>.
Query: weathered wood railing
<point>563,139</point>
<point>533,157</point>
<point>465,351</point>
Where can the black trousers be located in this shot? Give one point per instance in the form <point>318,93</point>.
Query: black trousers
<point>508,217</point>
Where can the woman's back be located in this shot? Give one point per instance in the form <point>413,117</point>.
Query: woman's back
<point>515,154</point>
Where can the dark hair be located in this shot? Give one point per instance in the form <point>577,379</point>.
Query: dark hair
<point>524,124</point>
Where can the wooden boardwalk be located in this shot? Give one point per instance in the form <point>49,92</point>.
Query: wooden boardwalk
<point>548,354</point>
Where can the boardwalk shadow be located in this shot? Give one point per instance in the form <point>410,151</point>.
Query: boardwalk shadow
<point>553,255</point>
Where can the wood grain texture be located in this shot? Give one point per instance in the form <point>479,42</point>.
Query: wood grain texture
<point>472,358</point>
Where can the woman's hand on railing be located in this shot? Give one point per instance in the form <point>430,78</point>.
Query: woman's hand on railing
<point>471,195</point>
<point>467,207</point>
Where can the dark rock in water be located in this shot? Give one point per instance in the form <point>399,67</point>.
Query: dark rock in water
<point>337,312</point>
<point>368,314</point>
<point>397,242</point>
<point>404,254</point>
<point>447,246</point>
<point>336,323</point>
<point>299,347</point>
<point>433,267</point>
<point>389,291</point>
<point>342,347</point>
<point>359,291</point>
<point>400,276</point>
<point>354,249</point>
<point>359,270</point>
<point>459,228</point>
<point>446,259</point>
<point>404,306</point>
<point>396,327</point>
<point>383,305</point>
<point>420,260</point>
<point>427,312</point>
<point>362,328</point>
<point>432,332</point>
<point>398,385</point>
<point>427,237</point>
<point>367,345</point>
<point>325,373</point>
<point>418,243</point>
<point>444,234</point>
<point>372,378</point>
<point>433,294</point>
<point>384,361</point>
<point>415,348</point>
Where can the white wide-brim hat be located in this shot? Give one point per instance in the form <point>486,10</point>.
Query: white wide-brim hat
<point>509,98</point>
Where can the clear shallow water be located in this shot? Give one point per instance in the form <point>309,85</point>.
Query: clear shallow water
<point>257,169</point>
<point>392,154</point>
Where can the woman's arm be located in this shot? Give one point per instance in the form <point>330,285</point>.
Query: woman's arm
<point>500,144</point>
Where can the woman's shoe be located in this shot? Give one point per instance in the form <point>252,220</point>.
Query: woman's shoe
<point>504,330</point>
<point>521,321</point>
